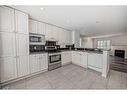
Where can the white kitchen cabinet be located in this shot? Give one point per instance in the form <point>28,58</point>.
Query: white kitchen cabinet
<point>22,44</point>
<point>66,57</point>
<point>73,57</point>
<point>8,68</point>
<point>6,19</point>
<point>21,21</point>
<point>76,57</point>
<point>23,65</point>
<point>41,28</point>
<point>63,36</point>
<point>79,58</point>
<point>69,37</point>
<point>95,61</point>
<point>43,61</point>
<point>34,64</point>
<point>33,26</point>
<point>37,27</point>
<point>49,35</point>
<point>38,62</point>
<point>83,59</point>
<point>55,33</point>
<point>7,44</point>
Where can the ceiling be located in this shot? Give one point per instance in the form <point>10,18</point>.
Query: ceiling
<point>88,20</point>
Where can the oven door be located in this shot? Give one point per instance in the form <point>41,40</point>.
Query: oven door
<point>54,58</point>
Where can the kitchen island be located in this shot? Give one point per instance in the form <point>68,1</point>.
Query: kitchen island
<point>96,60</point>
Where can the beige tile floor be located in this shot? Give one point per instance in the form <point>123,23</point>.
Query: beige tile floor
<point>72,77</point>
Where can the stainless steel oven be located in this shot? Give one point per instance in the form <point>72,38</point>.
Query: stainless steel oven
<point>54,57</point>
<point>54,60</point>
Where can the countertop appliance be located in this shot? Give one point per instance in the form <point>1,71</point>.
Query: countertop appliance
<point>54,55</point>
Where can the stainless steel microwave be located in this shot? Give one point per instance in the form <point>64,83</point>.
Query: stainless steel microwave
<point>36,38</point>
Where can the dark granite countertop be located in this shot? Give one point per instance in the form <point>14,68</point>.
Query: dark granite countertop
<point>42,52</point>
<point>95,51</point>
<point>99,52</point>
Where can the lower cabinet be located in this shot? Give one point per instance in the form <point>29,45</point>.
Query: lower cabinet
<point>43,61</point>
<point>34,65</point>
<point>83,59</point>
<point>38,62</point>
<point>8,69</point>
<point>23,65</point>
<point>79,58</point>
<point>66,57</point>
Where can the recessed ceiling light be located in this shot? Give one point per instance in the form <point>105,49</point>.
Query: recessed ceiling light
<point>42,8</point>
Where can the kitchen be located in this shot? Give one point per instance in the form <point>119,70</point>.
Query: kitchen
<point>30,47</point>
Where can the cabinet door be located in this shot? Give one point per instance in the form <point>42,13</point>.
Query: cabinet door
<point>69,57</point>
<point>33,26</point>
<point>43,61</point>
<point>6,19</point>
<point>66,36</point>
<point>63,36</point>
<point>63,58</point>
<point>59,34</point>
<point>83,61</point>
<point>23,65</point>
<point>49,32</point>
<point>69,37</point>
<point>34,64</point>
<point>66,57</point>
<point>8,68</point>
<point>40,28</point>
<point>55,33</point>
<point>74,55</point>
<point>22,43</point>
<point>77,58</point>
<point>21,20</point>
<point>7,44</point>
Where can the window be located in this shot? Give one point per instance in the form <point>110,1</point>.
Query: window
<point>104,44</point>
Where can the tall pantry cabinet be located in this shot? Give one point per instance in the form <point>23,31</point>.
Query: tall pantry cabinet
<point>14,44</point>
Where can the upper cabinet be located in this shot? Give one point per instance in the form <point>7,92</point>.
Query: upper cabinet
<point>40,28</point>
<point>36,27</point>
<point>21,20</point>
<point>7,44</point>
<point>32,26</point>
<point>49,30</point>
<point>22,44</point>
<point>6,19</point>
